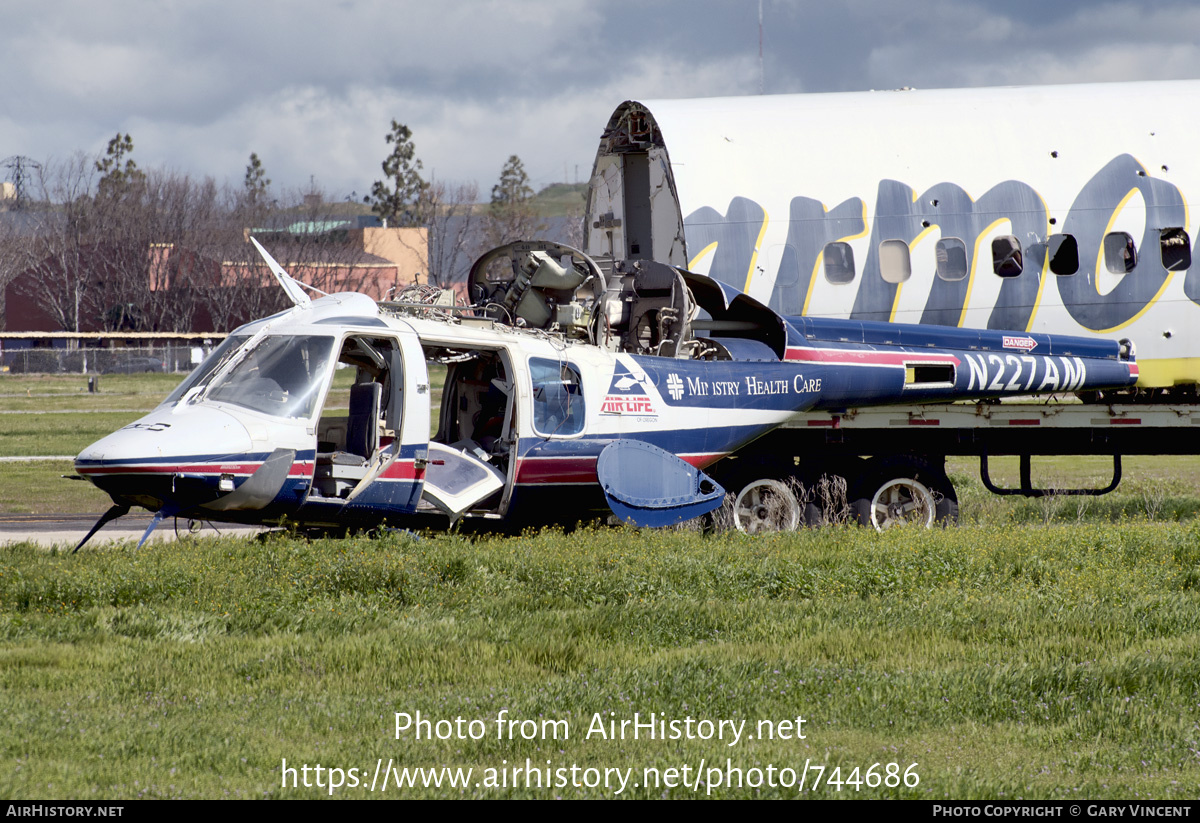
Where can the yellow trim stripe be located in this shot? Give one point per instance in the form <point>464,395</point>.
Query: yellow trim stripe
<point>1168,371</point>
<point>1100,255</point>
<point>896,300</point>
<point>757,246</point>
<point>812,281</point>
<point>700,255</point>
<point>962,318</point>
<point>1037,300</point>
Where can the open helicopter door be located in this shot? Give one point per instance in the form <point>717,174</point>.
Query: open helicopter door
<point>456,480</point>
<point>651,487</point>
<point>469,455</point>
<point>372,456</point>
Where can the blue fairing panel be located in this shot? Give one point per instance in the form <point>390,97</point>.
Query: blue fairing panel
<point>748,350</point>
<point>651,487</point>
<point>815,330</point>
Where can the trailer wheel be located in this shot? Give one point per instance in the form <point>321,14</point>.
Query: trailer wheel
<point>764,506</point>
<point>899,493</point>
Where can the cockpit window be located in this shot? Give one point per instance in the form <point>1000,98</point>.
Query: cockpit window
<point>202,372</point>
<point>281,376</point>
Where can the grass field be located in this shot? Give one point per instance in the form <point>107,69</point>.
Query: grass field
<point>1035,662</point>
<point>1044,649</point>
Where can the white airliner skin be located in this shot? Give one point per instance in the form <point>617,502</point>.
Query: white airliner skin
<point>1050,209</point>
<point>1056,209</point>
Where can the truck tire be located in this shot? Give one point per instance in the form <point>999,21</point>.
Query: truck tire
<point>894,492</point>
<point>766,505</point>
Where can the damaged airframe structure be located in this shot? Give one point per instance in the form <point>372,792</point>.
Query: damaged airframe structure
<point>566,390</point>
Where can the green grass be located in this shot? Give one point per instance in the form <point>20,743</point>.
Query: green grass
<point>39,487</point>
<point>1036,662</point>
<point>1155,487</point>
<point>58,433</point>
<point>69,419</point>
<point>1045,649</point>
<point>56,415</point>
<point>561,199</point>
<point>133,389</point>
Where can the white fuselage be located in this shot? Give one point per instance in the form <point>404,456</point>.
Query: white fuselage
<point>754,190</point>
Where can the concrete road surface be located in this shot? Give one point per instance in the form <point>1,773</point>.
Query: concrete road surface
<point>69,529</point>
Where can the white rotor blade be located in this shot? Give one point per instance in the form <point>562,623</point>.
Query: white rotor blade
<point>290,285</point>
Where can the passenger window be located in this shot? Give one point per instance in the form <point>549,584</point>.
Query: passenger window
<point>1006,256</point>
<point>1120,255</point>
<point>1064,254</point>
<point>951,255</point>
<point>895,264</point>
<point>1176,249</point>
<point>839,263</point>
<point>557,397</point>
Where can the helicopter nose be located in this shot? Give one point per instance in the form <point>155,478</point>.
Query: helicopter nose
<point>144,457</point>
<point>203,434</point>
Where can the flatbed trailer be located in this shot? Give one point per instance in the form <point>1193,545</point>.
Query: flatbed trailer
<point>882,465</point>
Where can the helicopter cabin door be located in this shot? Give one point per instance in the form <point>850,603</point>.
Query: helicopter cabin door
<point>469,466</point>
<point>373,434</point>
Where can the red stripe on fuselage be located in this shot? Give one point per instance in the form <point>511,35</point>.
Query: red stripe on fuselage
<point>855,357</point>
<point>551,470</point>
<point>303,468</point>
<point>402,470</point>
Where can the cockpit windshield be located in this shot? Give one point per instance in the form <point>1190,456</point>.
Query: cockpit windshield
<point>204,371</point>
<point>281,376</point>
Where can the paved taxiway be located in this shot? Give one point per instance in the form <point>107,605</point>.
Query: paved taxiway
<point>69,529</point>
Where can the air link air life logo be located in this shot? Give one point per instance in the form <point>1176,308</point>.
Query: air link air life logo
<point>627,394</point>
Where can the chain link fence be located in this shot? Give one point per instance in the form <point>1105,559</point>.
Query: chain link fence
<point>167,357</point>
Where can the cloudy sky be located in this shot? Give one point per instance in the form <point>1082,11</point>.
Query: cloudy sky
<point>312,86</point>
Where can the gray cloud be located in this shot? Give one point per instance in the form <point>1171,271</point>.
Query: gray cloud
<point>312,86</point>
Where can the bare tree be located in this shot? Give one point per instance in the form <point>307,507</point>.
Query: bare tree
<point>106,245</point>
<point>51,257</point>
<point>574,230</point>
<point>453,230</point>
<point>175,235</point>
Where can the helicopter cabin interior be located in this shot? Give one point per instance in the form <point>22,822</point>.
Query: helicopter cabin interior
<point>351,437</point>
<point>468,458</point>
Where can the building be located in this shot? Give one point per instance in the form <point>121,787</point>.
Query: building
<point>206,282</point>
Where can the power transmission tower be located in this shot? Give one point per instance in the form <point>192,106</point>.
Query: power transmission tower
<point>20,167</point>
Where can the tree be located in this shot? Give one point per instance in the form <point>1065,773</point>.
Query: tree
<point>52,260</point>
<point>400,199</point>
<point>256,180</point>
<point>513,190</point>
<point>156,250</point>
<point>453,240</point>
<point>118,175</point>
<point>511,216</point>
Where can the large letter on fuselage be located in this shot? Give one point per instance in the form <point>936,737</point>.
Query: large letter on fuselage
<point>1090,217</point>
<point>949,209</point>
<point>810,229</point>
<point>736,235</point>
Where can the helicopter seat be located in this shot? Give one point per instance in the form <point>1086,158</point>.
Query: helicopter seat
<point>362,438</point>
